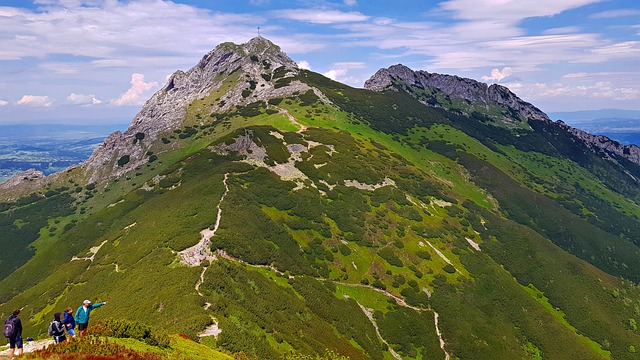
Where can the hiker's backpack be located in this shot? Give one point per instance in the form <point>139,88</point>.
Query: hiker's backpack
<point>53,329</point>
<point>9,328</point>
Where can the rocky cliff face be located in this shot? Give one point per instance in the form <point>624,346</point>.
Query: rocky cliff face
<point>455,87</point>
<point>255,64</point>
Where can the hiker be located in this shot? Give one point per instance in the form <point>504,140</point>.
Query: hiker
<point>13,332</point>
<point>69,322</point>
<point>82,315</point>
<point>56,329</point>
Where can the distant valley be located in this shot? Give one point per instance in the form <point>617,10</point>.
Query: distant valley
<point>48,148</point>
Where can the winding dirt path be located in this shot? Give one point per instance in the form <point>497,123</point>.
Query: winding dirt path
<point>369,313</point>
<point>435,320</point>
<point>201,252</point>
<point>293,120</point>
<point>29,346</point>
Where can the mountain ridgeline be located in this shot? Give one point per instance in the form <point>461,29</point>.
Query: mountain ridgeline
<point>266,210</point>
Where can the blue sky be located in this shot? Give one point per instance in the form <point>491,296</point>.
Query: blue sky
<point>97,61</point>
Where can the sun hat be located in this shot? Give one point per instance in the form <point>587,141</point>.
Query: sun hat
<point>87,302</point>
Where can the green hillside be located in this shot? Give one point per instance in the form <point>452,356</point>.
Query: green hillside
<point>345,220</point>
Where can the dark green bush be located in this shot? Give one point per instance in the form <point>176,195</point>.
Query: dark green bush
<point>122,161</point>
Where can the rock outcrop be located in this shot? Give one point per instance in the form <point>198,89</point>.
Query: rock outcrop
<point>600,143</point>
<point>27,176</point>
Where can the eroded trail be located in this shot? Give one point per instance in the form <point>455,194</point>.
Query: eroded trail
<point>369,314</point>
<point>94,250</point>
<point>201,252</point>
<point>435,320</point>
<point>293,120</point>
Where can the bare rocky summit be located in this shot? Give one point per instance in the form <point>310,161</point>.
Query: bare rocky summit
<point>254,65</point>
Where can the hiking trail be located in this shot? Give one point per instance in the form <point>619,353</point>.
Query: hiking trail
<point>201,252</point>
<point>369,314</point>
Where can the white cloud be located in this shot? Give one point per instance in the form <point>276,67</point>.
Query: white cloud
<point>109,63</point>
<point>507,10</point>
<point>497,75</point>
<point>577,75</point>
<point>35,101</point>
<point>3,103</point>
<point>333,74</point>
<point>320,16</point>
<point>562,30</point>
<point>351,2</point>
<point>304,65</point>
<point>135,94</point>
<point>616,13</point>
<point>624,49</point>
<point>60,68</point>
<point>339,70</point>
<point>80,99</point>
<point>600,89</point>
<point>118,30</point>
<point>608,74</point>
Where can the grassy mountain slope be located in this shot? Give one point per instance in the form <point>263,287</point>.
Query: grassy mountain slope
<point>365,223</point>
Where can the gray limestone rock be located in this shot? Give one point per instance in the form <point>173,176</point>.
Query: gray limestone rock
<point>167,108</point>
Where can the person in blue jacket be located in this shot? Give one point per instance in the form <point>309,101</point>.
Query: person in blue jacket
<point>82,315</point>
<point>69,322</point>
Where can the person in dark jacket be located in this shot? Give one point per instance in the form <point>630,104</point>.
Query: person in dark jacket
<point>58,328</point>
<point>69,322</point>
<point>82,315</point>
<point>16,340</point>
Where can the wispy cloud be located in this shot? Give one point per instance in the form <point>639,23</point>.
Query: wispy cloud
<point>320,16</point>
<point>615,14</point>
<point>111,30</point>
<point>35,101</point>
<point>3,103</point>
<point>509,11</point>
<point>600,89</point>
<point>135,94</point>
<point>562,30</point>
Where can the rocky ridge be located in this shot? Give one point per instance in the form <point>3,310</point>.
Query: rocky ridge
<point>598,143</point>
<point>477,92</point>
<point>454,86</point>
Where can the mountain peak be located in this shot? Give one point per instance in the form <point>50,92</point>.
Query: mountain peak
<point>229,76</point>
<point>399,77</point>
<point>260,44</point>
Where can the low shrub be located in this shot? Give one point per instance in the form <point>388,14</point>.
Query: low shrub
<point>91,348</point>
<point>120,328</point>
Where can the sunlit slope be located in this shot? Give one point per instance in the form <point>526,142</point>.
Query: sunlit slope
<point>352,226</point>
